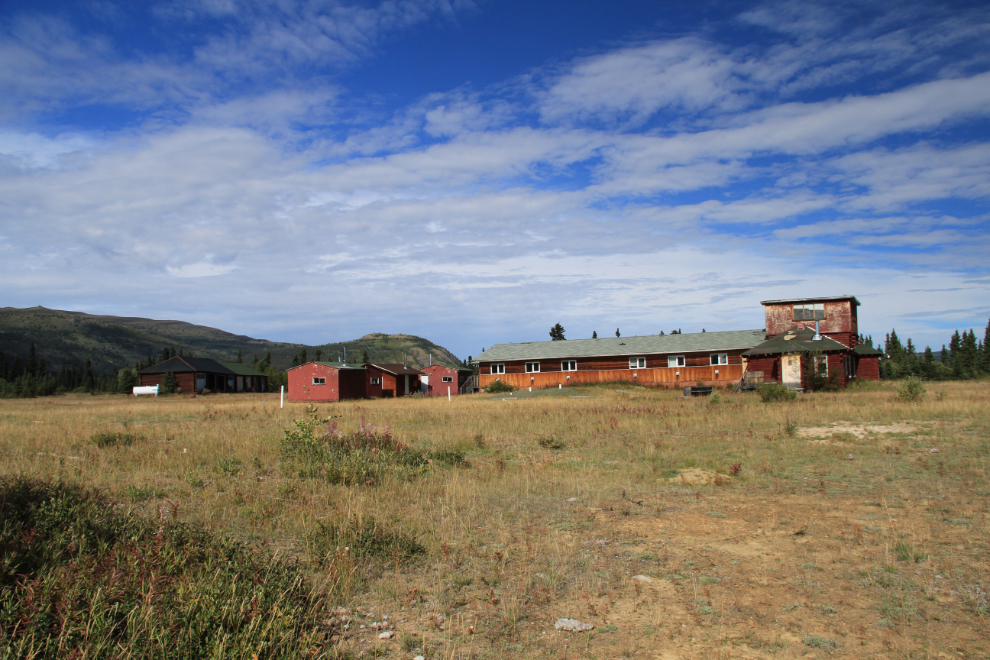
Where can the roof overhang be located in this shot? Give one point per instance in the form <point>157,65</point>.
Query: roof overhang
<point>811,300</point>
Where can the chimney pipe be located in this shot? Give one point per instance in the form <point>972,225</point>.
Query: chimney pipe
<point>403,360</point>
<point>431,359</point>
<point>818,336</point>
<point>345,356</point>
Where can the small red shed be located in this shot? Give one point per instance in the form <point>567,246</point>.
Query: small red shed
<point>325,381</point>
<point>438,379</point>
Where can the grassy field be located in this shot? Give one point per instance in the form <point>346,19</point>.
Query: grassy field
<point>851,524</point>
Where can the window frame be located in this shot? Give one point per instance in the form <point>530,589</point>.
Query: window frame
<point>819,362</point>
<point>319,380</point>
<point>718,359</point>
<point>676,361</point>
<point>801,312</point>
<point>375,380</point>
<point>446,379</point>
<point>568,365</point>
<point>497,368</point>
<point>532,367</point>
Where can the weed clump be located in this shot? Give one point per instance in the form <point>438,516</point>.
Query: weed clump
<point>912,390</point>
<point>114,438</point>
<point>499,387</point>
<point>823,643</point>
<point>366,539</point>
<point>80,574</point>
<point>775,393</point>
<point>550,442</point>
<point>318,449</point>
<point>906,552</point>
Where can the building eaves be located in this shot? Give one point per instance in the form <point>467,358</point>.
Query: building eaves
<point>795,340</point>
<point>241,369</point>
<point>811,300</point>
<point>697,342</point>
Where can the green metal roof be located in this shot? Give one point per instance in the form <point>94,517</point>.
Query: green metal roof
<point>698,342</point>
<point>241,369</point>
<point>863,349</point>
<point>796,341</point>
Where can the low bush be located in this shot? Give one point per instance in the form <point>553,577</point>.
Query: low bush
<point>366,539</point>
<point>318,449</point>
<point>81,575</point>
<point>912,389</point>
<point>114,438</point>
<point>775,392</point>
<point>499,387</point>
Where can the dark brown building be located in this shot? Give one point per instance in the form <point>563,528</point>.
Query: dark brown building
<point>199,374</point>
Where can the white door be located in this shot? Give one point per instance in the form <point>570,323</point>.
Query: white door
<point>790,370</point>
<point>424,382</point>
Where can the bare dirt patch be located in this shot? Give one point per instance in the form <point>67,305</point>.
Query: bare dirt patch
<point>698,477</point>
<point>857,430</point>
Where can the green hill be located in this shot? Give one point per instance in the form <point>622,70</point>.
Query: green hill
<point>112,342</point>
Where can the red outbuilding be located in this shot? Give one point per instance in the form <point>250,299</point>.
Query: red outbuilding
<point>439,379</point>
<point>325,381</point>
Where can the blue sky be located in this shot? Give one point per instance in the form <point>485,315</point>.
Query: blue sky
<point>474,172</point>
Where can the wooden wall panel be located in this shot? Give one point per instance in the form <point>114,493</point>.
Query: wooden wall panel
<point>666,377</point>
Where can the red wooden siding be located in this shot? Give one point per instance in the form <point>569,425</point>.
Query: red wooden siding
<point>186,381</point>
<point>840,321</point>
<point>436,386</point>
<point>728,373</point>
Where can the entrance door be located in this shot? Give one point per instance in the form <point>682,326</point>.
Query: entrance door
<point>790,371</point>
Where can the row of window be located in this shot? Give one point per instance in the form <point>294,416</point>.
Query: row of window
<point>321,380</point>
<point>673,362</point>
<point>814,312</point>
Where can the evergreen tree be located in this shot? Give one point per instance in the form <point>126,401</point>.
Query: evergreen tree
<point>166,354</point>
<point>984,358</point>
<point>617,333</point>
<point>240,357</point>
<point>594,334</point>
<point>557,333</point>
<point>364,357</point>
<point>969,355</point>
<point>169,384</point>
<point>89,381</point>
<point>3,362</point>
<point>126,380</point>
<point>32,362</point>
<point>303,359</point>
<point>955,355</point>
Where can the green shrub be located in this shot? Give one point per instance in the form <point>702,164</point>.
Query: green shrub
<point>365,539</point>
<point>318,449</point>
<point>912,389</point>
<point>499,387</point>
<point>81,574</point>
<point>114,438</point>
<point>824,643</point>
<point>775,392</point>
<point>550,442</point>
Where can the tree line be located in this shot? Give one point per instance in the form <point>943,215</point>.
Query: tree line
<point>965,357</point>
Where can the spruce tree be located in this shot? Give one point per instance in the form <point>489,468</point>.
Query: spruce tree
<point>970,355</point>
<point>955,355</point>
<point>557,333</point>
<point>240,357</point>
<point>32,361</point>
<point>169,384</point>
<point>617,334</point>
<point>984,358</point>
<point>594,333</point>
<point>364,357</point>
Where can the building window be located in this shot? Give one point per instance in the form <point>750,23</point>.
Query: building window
<point>447,379</point>
<point>637,363</point>
<point>532,367</point>
<point>821,365</point>
<point>376,380</point>
<point>675,361</point>
<point>814,312</point>
<point>568,365</point>
<point>720,358</point>
<point>319,381</point>
<point>498,368</point>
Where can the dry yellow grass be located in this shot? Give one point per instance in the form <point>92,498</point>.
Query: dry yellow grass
<point>860,537</point>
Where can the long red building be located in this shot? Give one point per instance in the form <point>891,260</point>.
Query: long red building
<point>715,358</point>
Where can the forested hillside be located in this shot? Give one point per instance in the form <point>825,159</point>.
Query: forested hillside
<point>85,351</point>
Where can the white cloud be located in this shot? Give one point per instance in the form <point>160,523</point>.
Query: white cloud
<point>199,269</point>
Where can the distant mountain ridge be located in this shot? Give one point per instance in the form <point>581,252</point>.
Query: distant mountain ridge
<point>113,342</point>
